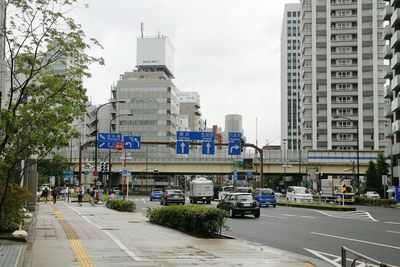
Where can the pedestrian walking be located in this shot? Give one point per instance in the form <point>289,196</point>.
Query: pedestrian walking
<point>80,196</point>
<point>54,194</point>
<point>92,194</point>
<point>45,194</point>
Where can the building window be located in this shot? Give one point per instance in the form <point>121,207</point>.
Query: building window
<point>344,99</point>
<point>343,49</point>
<point>344,74</point>
<point>344,61</point>
<point>344,111</point>
<point>344,124</point>
<point>344,87</point>
<point>344,137</point>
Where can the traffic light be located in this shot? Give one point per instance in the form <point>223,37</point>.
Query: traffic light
<point>102,166</point>
<point>343,188</point>
<point>241,144</point>
<point>105,166</point>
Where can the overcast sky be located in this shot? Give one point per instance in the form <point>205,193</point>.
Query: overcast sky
<point>226,50</point>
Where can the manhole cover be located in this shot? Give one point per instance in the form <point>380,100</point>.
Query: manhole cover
<point>108,229</point>
<point>133,221</point>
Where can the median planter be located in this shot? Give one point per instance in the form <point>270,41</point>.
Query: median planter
<point>387,203</point>
<point>197,220</point>
<point>121,205</point>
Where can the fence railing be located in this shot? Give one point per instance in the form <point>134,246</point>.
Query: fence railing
<point>360,258</point>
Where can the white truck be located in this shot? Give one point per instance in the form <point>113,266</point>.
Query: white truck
<point>201,189</point>
<point>331,190</point>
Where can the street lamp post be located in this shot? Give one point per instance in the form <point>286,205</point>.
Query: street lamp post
<point>95,143</point>
<point>357,147</point>
<point>109,150</point>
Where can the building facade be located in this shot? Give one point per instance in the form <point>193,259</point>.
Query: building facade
<point>189,107</point>
<point>341,83</point>
<point>290,76</point>
<point>391,72</point>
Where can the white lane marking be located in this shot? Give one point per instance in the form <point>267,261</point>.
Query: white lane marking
<point>311,217</point>
<point>395,232</point>
<point>351,215</point>
<point>357,240</point>
<point>276,217</point>
<point>116,241</point>
<point>393,222</point>
<point>289,215</point>
<point>335,261</point>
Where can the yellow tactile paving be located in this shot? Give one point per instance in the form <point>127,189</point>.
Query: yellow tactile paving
<point>75,243</point>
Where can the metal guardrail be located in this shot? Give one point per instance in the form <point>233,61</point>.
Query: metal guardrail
<point>360,258</point>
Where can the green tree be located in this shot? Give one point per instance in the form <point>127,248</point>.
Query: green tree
<point>41,102</point>
<point>51,167</point>
<point>372,176</point>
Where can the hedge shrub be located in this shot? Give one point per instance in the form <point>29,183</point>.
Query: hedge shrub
<point>193,219</point>
<point>376,202</point>
<point>11,214</point>
<point>121,205</point>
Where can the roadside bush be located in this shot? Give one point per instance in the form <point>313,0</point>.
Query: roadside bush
<point>121,205</point>
<point>11,214</point>
<point>197,220</point>
<point>376,202</point>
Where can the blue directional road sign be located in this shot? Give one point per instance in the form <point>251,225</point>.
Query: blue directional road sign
<point>189,136</point>
<point>107,140</point>
<point>132,142</point>
<point>235,136</point>
<point>182,147</point>
<point>234,148</point>
<point>208,148</point>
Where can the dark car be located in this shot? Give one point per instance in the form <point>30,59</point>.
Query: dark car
<point>265,197</point>
<point>156,193</point>
<point>240,204</point>
<point>172,196</point>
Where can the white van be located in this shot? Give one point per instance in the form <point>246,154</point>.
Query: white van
<point>299,194</point>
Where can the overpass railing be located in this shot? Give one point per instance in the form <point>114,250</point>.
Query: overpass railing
<point>359,258</point>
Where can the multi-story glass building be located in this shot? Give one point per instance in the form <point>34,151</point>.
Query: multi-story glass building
<point>342,100</point>
<point>391,52</point>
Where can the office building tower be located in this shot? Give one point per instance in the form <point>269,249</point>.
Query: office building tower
<point>290,76</point>
<point>341,83</point>
<point>189,106</point>
<point>151,95</point>
<point>391,72</point>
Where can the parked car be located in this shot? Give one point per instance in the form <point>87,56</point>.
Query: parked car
<point>243,190</point>
<point>225,190</point>
<point>172,196</point>
<point>372,194</point>
<point>265,197</point>
<point>156,193</point>
<point>299,194</point>
<point>240,204</point>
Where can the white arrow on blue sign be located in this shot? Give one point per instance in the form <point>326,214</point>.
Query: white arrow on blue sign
<point>234,148</point>
<point>207,148</point>
<point>182,147</point>
<point>132,142</point>
<point>107,140</point>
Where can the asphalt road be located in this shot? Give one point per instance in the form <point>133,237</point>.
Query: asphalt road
<point>372,231</point>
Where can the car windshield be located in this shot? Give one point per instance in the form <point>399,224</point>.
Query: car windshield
<point>228,189</point>
<point>157,190</point>
<point>266,192</point>
<point>174,192</point>
<point>244,197</point>
<point>301,190</point>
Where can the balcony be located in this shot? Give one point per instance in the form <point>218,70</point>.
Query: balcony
<point>387,72</point>
<point>387,52</point>
<point>395,82</point>
<point>388,131</point>
<point>395,104</point>
<point>395,40</point>
<point>395,19</point>
<point>387,32</point>
<point>387,12</point>
<point>387,112</point>
<point>395,127</point>
<point>387,91</point>
<point>395,62</point>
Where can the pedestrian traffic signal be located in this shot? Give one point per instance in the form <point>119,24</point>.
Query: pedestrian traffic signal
<point>343,188</point>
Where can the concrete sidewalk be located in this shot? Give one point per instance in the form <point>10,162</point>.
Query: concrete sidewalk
<point>66,234</point>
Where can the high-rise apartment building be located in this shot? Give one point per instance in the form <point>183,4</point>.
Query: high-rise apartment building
<point>290,76</point>
<point>391,52</point>
<point>341,81</point>
<point>189,106</point>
